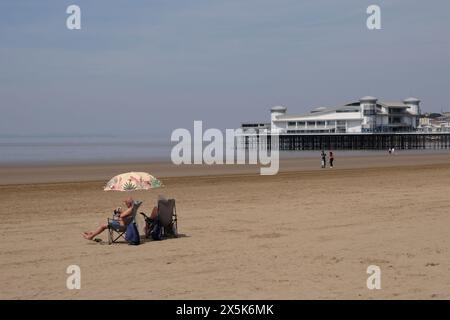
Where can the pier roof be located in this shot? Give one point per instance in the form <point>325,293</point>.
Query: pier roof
<point>321,111</point>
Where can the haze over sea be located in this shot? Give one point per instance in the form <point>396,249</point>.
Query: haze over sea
<point>54,150</point>
<point>25,150</point>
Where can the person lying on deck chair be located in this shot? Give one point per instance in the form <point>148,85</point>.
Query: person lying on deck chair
<point>121,220</point>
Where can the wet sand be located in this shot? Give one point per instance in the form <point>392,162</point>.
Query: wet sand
<point>50,173</point>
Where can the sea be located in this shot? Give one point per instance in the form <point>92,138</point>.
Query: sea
<point>36,150</point>
<point>26,150</point>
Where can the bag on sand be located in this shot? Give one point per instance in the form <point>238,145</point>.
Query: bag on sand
<point>156,232</point>
<point>132,234</point>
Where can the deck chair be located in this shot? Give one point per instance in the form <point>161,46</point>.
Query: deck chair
<point>167,215</point>
<point>115,234</point>
<point>167,219</point>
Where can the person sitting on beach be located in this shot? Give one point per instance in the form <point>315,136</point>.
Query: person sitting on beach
<point>121,220</point>
<point>154,214</point>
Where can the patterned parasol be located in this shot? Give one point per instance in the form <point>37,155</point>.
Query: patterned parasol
<point>133,181</point>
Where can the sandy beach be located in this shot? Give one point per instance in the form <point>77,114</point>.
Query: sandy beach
<point>305,233</point>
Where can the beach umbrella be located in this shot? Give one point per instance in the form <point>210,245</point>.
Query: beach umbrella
<point>133,181</point>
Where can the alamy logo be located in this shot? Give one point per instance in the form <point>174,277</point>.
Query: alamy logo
<point>374,280</point>
<point>374,20</point>
<point>73,21</point>
<point>74,279</point>
<point>190,150</point>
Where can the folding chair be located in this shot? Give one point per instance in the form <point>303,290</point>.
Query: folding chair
<point>167,215</point>
<point>115,233</point>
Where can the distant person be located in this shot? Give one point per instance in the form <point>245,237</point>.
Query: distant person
<point>331,159</point>
<point>393,150</point>
<point>323,157</point>
<point>390,151</point>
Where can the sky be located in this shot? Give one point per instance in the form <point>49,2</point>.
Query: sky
<point>148,67</point>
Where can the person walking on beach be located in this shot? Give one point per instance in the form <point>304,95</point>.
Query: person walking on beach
<point>331,159</point>
<point>323,156</point>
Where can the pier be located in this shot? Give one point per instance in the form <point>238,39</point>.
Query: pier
<point>346,141</point>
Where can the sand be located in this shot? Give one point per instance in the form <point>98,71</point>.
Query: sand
<point>302,234</point>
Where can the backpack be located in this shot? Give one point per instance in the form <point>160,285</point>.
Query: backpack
<point>156,232</point>
<point>132,234</point>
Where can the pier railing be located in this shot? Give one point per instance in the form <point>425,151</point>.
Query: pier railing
<point>350,141</point>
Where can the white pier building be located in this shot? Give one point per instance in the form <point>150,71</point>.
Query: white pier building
<point>367,115</point>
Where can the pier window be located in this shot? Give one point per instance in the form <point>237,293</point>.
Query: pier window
<point>346,110</point>
<point>311,123</point>
<point>291,124</point>
<point>369,112</point>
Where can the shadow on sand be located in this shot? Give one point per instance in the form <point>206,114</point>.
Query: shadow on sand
<point>143,240</point>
